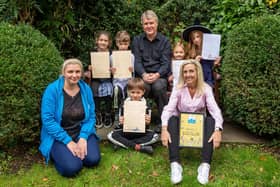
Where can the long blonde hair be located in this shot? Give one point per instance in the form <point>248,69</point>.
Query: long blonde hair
<point>200,80</point>
<point>192,49</point>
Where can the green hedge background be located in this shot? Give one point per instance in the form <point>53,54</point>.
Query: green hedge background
<point>28,63</point>
<point>251,76</point>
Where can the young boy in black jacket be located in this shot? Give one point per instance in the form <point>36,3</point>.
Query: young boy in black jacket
<point>137,141</point>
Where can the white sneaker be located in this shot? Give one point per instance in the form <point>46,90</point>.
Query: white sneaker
<point>176,172</point>
<point>203,173</point>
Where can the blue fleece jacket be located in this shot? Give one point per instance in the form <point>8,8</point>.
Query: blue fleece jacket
<point>51,114</point>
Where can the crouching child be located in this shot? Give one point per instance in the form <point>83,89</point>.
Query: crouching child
<point>137,141</point>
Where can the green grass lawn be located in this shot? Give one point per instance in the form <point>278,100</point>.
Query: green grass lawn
<point>233,165</point>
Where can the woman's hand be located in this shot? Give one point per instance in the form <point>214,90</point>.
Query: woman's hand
<point>165,136</point>
<point>72,146</point>
<point>82,145</point>
<point>216,137</point>
<point>130,69</point>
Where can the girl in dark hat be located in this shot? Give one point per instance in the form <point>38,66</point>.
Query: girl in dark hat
<point>194,36</point>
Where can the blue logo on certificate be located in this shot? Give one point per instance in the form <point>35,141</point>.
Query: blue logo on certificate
<point>191,120</point>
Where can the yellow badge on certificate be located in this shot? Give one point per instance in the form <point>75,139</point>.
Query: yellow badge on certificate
<point>191,130</point>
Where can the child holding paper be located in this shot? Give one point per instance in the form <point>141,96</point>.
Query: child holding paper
<point>137,141</point>
<point>178,54</point>
<point>194,36</point>
<point>120,84</point>
<point>102,88</point>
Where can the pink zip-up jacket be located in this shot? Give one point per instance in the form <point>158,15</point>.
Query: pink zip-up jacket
<point>181,101</point>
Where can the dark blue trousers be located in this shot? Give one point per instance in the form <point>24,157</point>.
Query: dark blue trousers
<point>69,165</point>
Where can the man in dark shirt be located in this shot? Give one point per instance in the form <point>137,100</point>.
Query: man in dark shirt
<point>152,52</point>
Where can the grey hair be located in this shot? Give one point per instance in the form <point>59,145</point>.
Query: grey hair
<point>149,14</point>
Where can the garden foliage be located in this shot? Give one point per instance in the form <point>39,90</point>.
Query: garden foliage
<point>72,25</point>
<point>251,76</point>
<point>28,62</point>
<point>226,14</point>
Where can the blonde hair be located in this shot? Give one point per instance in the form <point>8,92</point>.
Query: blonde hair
<point>122,36</point>
<point>149,14</point>
<point>71,61</point>
<point>200,81</point>
<point>192,49</point>
<point>135,83</point>
<point>179,44</point>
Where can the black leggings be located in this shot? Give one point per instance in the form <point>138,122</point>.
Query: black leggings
<point>131,139</point>
<point>173,147</point>
<point>107,104</point>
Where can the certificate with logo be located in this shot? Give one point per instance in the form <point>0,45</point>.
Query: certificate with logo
<point>191,130</point>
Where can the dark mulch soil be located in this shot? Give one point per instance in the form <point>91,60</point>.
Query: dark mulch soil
<point>273,150</point>
<point>22,157</point>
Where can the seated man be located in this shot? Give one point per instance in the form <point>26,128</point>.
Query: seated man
<point>152,52</point>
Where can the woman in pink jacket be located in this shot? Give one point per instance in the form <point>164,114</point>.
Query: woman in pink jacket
<point>191,94</point>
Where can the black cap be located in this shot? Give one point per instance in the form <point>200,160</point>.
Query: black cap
<point>186,33</point>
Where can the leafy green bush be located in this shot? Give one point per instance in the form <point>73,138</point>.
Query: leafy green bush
<point>176,15</point>
<point>28,62</point>
<point>251,76</point>
<point>72,25</point>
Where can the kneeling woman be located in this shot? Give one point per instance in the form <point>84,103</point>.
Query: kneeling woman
<point>192,94</point>
<point>68,135</point>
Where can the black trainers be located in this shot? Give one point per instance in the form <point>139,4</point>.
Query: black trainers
<point>99,123</point>
<point>108,120</point>
<point>146,149</point>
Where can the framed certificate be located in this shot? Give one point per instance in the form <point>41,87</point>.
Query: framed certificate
<point>191,129</point>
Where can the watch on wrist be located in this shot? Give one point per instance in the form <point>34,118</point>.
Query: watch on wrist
<point>218,129</point>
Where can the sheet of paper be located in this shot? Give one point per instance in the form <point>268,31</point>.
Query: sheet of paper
<point>100,62</point>
<point>176,64</point>
<point>191,130</point>
<point>211,46</point>
<point>134,116</point>
<point>122,61</point>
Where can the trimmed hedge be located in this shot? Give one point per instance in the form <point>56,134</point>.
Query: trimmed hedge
<point>28,63</point>
<point>251,75</point>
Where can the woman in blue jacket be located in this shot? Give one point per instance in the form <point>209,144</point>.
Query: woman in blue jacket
<point>68,135</point>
